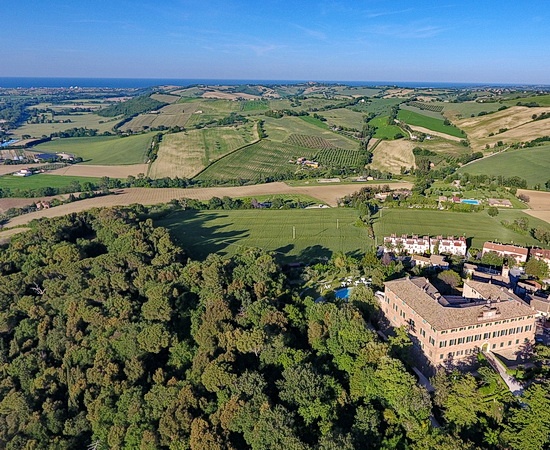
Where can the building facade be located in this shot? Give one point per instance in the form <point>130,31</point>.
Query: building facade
<point>425,244</point>
<point>515,252</point>
<point>454,328</point>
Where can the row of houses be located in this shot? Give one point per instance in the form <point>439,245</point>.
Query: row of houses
<point>518,254</point>
<point>425,244</point>
<point>419,245</point>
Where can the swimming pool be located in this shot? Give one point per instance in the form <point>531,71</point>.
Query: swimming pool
<point>469,201</point>
<point>343,293</point>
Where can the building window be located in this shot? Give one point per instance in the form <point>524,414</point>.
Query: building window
<point>461,340</point>
<point>452,342</point>
<point>495,334</point>
<point>501,344</point>
<point>441,356</point>
<point>509,343</point>
<point>432,342</point>
<point>469,338</point>
<point>517,341</point>
<point>494,345</point>
<point>486,335</point>
<point>443,344</point>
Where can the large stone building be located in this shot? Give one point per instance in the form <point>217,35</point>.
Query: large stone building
<point>424,244</point>
<point>515,252</point>
<point>487,317</point>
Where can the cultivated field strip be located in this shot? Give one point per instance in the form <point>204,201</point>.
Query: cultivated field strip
<point>148,196</point>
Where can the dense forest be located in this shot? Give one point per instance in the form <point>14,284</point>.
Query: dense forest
<point>111,338</point>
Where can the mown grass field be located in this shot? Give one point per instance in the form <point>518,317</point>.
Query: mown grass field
<point>542,100</point>
<point>532,164</point>
<point>431,123</point>
<point>41,181</point>
<point>317,233</point>
<point>477,227</point>
<point>187,153</point>
<point>263,159</point>
<point>176,114</point>
<point>383,130</point>
<point>103,150</point>
<point>466,109</point>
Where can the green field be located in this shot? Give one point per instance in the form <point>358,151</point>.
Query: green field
<point>477,227</point>
<point>317,234</point>
<point>281,129</point>
<point>263,159</point>
<point>431,123</point>
<point>344,117</point>
<point>40,181</point>
<point>82,120</point>
<point>254,105</point>
<point>542,100</point>
<point>533,164</point>
<point>383,130</point>
<point>466,109</point>
<point>103,150</point>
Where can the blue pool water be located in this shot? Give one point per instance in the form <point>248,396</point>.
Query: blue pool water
<point>469,201</point>
<point>343,293</point>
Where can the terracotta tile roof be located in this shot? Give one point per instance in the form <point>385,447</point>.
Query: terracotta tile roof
<point>422,297</point>
<point>505,248</point>
<point>493,292</point>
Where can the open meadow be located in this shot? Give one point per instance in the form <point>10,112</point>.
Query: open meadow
<point>530,163</point>
<point>42,180</point>
<point>66,122</point>
<point>477,227</point>
<point>187,153</point>
<point>430,123</point>
<point>103,150</point>
<point>511,125</point>
<point>384,130</point>
<point>318,232</point>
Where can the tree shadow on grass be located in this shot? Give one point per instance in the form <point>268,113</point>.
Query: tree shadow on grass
<point>314,253</point>
<point>198,234</point>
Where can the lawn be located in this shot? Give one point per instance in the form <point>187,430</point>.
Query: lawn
<point>533,164</point>
<point>383,130</point>
<point>431,123</point>
<point>103,150</point>
<point>318,232</point>
<point>187,153</point>
<point>41,181</point>
<point>477,227</point>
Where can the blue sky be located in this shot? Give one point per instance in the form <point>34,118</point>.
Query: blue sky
<point>459,41</point>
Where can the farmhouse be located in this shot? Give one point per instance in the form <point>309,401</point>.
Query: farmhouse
<point>517,253</point>
<point>453,328</point>
<point>500,202</point>
<point>24,173</point>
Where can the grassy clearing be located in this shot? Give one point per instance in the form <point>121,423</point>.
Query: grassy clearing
<point>260,160</point>
<point>254,105</point>
<point>533,164</point>
<point>317,234</point>
<point>344,117</point>
<point>103,150</point>
<point>187,153</point>
<point>83,120</point>
<point>466,109</point>
<point>431,123</point>
<point>172,115</point>
<point>383,130</point>
<point>436,114</point>
<point>281,129</point>
<point>42,181</point>
<point>378,106</point>
<point>542,100</point>
<point>477,227</point>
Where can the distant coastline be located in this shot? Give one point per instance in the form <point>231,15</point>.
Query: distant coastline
<point>52,82</point>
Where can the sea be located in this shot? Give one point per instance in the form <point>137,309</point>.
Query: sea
<point>136,83</point>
